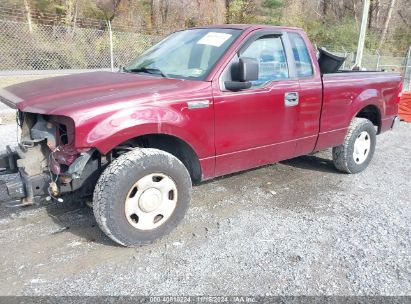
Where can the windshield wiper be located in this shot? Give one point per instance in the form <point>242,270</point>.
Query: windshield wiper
<point>155,71</point>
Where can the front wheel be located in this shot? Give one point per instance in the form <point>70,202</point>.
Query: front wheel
<point>355,154</point>
<point>141,196</point>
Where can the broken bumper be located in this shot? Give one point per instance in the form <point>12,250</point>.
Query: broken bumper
<point>21,179</point>
<point>12,188</point>
<point>395,122</point>
<point>11,183</point>
<point>15,184</point>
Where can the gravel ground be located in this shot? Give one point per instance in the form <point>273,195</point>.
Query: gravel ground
<point>293,228</point>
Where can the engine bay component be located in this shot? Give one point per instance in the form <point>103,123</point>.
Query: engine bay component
<point>43,129</point>
<point>54,189</point>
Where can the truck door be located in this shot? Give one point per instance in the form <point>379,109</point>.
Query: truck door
<point>262,124</point>
<point>310,97</point>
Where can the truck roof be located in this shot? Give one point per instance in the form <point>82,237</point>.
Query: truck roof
<point>250,27</point>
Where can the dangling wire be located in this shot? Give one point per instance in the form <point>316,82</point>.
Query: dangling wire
<point>51,176</point>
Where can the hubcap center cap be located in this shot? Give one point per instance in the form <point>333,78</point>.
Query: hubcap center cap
<point>362,147</point>
<point>150,200</point>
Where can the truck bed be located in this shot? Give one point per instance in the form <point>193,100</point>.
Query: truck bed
<point>346,92</point>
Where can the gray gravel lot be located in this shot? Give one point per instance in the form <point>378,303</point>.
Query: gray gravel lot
<point>293,228</point>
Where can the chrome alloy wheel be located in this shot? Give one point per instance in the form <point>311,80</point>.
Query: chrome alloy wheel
<point>151,201</point>
<point>362,147</point>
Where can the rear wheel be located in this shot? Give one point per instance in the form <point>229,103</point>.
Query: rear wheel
<point>141,196</point>
<point>355,154</point>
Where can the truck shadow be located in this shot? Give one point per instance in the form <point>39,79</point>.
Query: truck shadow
<point>73,216</point>
<point>320,162</point>
<point>313,163</point>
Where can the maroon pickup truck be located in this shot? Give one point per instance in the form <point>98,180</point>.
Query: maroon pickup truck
<point>204,102</point>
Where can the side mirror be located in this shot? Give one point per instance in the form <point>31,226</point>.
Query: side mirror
<point>247,69</point>
<point>237,85</point>
<point>242,73</point>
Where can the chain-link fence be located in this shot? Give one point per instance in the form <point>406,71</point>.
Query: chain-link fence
<point>377,62</point>
<point>44,47</point>
<point>407,72</point>
<point>39,51</point>
<point>371,60</point>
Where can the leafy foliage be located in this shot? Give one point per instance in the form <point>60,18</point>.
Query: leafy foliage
<point>330,23</point>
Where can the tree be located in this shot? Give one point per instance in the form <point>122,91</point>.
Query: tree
<point>326,4</point>
<point>164,10</point>
<point>71,10</point>
<point>241,11</point>
<point>152,15</point>
<point>386,23</point>
<point>116,5</point>
<point>28,15</point>
<point>227,11</point>
<point>273,8</point>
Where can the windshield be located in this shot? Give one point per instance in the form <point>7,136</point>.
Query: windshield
<point>189,54</point>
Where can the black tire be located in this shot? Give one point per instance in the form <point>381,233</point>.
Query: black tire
<point>343,155</point>
<point>115,183</point>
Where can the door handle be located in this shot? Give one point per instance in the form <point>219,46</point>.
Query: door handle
<point>291,99</point>
<point>198,104</point>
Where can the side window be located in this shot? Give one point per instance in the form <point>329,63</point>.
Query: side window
<point>301,55</point>
<point>269,52</point>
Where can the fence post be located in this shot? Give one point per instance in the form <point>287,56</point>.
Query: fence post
<point>110,34</point>
<point>378,60</point>
<point>363,30</point>
<point>345,55</point>
<point>407,72</point>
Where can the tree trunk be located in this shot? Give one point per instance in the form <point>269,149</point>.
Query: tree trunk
<point>227,11</point>
<point>164,9</point>
<point>404,19</point>
<point>28,15</point>
<point>68,5</point>
<point>71,12</point>
<point>386,23</point>
<point>325,7</point>
<point>341,10</point>
<point>377,14</point>
<point>354,7</point>
<point>374,14</point>
<point>371,13</point>
<point>116,4</point>
<point>152,16</point>
<point>75,14</point>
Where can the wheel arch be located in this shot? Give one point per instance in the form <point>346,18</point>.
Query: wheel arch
<point>171,144</point>
<point>372,113</point>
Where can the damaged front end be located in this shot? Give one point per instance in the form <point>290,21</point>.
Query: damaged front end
<point>45,161</point>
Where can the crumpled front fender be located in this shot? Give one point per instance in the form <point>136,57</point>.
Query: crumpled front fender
<point>115,129</point>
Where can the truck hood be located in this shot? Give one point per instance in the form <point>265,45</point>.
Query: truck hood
<point>72,95</point>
